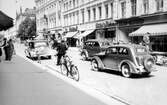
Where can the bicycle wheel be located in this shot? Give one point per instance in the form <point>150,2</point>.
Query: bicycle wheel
<point>64,69</point>
<point>74,73</point>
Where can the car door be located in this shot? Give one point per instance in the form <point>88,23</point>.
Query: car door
<point>95,48</point>
<point>110,60</point>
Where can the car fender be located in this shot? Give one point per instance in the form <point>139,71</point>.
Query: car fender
<point>86,53</point>
<point>100,63</point>
<point>130,63</point>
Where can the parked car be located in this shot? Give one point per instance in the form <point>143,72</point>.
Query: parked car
<point>92,47</point>
<point>127,58</point>
<point>38,48</point>
<point>160,57</point>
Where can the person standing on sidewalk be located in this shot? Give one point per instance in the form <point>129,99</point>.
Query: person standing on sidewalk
<point>11,49</point>
<point>61,51</point>
<point>5,48</point>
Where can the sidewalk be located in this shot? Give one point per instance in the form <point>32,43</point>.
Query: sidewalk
<point>23,83</point>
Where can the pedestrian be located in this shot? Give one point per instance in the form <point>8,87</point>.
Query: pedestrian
<point>5,47</point>
<point>10,49</point>
<point>61,51</point>
<point>0,53</point>
<point>55,44</point>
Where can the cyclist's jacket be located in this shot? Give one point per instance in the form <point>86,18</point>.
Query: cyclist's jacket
<point>61,49</point>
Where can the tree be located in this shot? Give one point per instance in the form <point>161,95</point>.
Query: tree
<point>27,29</point>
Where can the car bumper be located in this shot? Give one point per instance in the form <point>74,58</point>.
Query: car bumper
<point>141,70</point>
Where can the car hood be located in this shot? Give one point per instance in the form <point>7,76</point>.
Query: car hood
<point>101,53</point>
<point>44,50</point>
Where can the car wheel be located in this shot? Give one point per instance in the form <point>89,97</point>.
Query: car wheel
<point>125,69</point>
<point>64,69</point>
<point>148,63</point>
<point>94,65</point>
<point>83,56</point>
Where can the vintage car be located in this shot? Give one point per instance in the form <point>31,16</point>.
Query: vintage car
<point>38,48</point>
<point>92,47</point>
<point>127,58</point>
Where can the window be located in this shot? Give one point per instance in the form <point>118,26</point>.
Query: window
<point>122,51</point>
<point>106,9</point>
<point>89,15</point>
<point>73,3</point>
<point>83,19</point>
<point>112,50</point>
<point>100,14</point>
<point>159,5</point>
<point>123,9</point>
<point>109,34</point>
<point>112,10</point>
<point>133,3</point>
<point>146,6</point>
<point>94,13</point>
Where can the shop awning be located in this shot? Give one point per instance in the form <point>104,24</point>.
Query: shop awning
<point>5,21</point>
<point>153,30</point>
<point>70,34</point>
<point>84,34</point>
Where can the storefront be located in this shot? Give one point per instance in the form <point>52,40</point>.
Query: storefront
<point>106,31</point>
<point>155,27</point>
<point>126,26</point>
<point>70,36</point>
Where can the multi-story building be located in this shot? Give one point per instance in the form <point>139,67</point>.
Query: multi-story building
<point>138,19</point>
<point>48,16</point>
<point>92,18</point>
<point>111,20</point>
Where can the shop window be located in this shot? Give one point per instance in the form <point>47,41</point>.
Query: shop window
<point>109,34</point>
<point>158,43</point>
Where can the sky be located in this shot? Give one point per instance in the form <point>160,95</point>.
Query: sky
<point>9,6</point>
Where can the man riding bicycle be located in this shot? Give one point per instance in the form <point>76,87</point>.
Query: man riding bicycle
<point>61,51</point>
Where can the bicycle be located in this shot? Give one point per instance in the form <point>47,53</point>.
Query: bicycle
<point>68,68</point>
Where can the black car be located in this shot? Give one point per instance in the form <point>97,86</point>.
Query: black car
<point>127,58</point>
<point>92,47</point>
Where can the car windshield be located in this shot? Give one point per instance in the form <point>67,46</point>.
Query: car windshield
<point>40,44</point>
<point>104,44</point>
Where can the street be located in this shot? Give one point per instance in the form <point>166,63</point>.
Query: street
<point>22,83</point>
<point>137,90</point>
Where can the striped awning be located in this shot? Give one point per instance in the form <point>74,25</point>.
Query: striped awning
<point>70,34</point>
<point>153,30</point>
<point>84,34</point>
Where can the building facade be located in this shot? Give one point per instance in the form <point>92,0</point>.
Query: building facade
<point>48,16</point>
<point>113,20</point>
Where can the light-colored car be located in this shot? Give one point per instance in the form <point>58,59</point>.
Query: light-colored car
<point>127,58</point>
<point>38,48</point>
